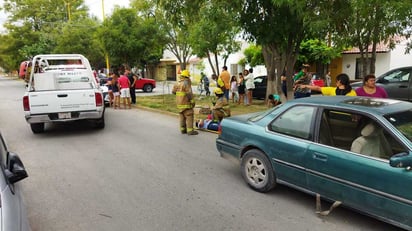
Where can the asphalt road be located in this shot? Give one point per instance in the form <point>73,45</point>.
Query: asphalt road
<point>140,173</point>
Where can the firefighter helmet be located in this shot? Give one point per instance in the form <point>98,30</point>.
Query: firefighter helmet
<point>185,73</point>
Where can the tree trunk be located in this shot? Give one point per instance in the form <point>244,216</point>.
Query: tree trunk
<point>276,62</point>
<point>211,63</point>
<point>373,59</point>
<point>217,64</point>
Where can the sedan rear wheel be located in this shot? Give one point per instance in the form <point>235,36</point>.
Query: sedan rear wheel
<point>257,171</point>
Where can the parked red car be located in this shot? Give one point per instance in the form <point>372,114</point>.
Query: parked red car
<point>145,84</point>
<point>317,80</point>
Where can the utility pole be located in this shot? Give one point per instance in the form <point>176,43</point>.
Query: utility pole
<point>106,54</point>
<point>68,10</point>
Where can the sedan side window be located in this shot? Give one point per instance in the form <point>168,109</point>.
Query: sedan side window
<point>296,122</point>
<point>3,153</point>
<point>397,76</point>
<point>405,78</point>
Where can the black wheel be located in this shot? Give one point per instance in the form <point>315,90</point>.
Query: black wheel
<point>37,128</point>
<point>148,88</point>
<point>99,124</point>
<point>257,171</point>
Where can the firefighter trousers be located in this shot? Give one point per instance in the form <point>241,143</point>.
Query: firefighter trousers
<point>186,120</point>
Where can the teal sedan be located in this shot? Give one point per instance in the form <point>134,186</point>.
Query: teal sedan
<point>352,150</point>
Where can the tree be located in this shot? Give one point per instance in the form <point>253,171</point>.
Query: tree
<point>253,55</point>
<point>132,39</point>
<point>279,27</point>
<point>76,38</point>
<point>176,17</point>
<point>34,25</point>
<point>214,32</point>
<point>366,23</point>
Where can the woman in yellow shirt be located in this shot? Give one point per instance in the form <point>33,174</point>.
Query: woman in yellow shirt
<point>342,87</point>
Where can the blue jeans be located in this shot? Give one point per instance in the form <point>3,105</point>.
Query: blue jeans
<point>227,94</point>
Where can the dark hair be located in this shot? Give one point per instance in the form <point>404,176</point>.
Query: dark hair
<point>344,80</point>
<point>225,68</point>
<point>367,77</point>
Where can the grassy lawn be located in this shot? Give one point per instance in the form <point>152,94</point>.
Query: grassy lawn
<point>168,103</point>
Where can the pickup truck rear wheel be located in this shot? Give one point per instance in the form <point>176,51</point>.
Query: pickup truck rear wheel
<point>37,128</point>
<point>99,124</point>
<point>148,88</point>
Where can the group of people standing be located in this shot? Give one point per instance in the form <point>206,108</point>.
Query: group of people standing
<point>121,86</point>
<point>241,87</point>
<point>303,88</point>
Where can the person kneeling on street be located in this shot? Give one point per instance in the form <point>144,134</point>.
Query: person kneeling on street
<point>221,107</point>
<point>273,100</point>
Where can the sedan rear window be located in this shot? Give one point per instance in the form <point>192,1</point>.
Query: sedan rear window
<point>403,122</point>
<point>295,122</point>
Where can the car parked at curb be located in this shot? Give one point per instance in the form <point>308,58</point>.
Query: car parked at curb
<point>396,82</point>
<point>317,80</point>
<point>145,84</point>
<point>261,85</point>
<point>12,210</point>
<point>354,151</point>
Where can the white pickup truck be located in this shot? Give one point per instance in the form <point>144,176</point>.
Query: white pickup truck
<point>62,88</point>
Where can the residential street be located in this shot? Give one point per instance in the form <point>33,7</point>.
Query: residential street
<point>140,173</point>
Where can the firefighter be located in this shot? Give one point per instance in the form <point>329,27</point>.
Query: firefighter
<point>185,103</point>
<point>220,108</point>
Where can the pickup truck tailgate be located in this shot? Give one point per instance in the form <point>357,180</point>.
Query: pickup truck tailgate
<point>42,102</point>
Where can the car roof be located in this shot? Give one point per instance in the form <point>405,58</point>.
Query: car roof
<point>366,104</point>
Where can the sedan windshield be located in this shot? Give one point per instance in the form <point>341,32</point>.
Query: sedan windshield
<point>403,122</point>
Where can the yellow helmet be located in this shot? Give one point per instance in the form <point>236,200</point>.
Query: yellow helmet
<point>218,91</point>
<point>185,73</point>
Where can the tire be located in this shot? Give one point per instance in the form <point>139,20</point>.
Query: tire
<point>257,171</point>
<point>37,128</point>
<point>100,124</point>
<point>148,88</point>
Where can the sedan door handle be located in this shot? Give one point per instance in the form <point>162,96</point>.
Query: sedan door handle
<point>62,95</point>
<point>319,156</point>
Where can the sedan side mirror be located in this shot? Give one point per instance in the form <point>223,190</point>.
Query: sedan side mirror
<point>15,170</point>
<point>401,160</point>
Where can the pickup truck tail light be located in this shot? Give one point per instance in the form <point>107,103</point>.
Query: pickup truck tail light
<point>99,99</point>
<point>26,103</point>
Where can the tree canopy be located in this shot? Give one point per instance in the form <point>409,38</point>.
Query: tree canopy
<point>287,31</point>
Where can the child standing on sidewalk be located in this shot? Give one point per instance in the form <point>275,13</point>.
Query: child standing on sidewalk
<point>234,89</point>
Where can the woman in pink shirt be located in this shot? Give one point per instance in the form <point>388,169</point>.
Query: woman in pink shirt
<point>370,89</point>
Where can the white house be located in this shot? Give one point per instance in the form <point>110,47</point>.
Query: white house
<point>386,59</point>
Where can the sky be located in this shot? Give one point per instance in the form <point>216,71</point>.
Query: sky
<point>95,7</point>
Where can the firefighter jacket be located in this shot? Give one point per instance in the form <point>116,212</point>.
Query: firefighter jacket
<point>221,109</point>
<point>184,95</point>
